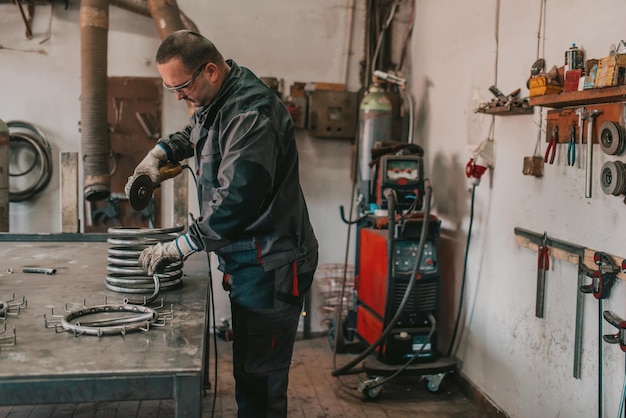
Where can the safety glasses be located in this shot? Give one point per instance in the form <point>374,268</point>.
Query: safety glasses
<point>180,87</point>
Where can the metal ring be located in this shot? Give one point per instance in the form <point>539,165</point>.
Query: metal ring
<point>144,316</point>
<point>612,138</point>
<point>613,178</point>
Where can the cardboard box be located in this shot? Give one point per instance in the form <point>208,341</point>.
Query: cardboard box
<point>539,86</point>
<point>611,71</point>
<point>572,78</point>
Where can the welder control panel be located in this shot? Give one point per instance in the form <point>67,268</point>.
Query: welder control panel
<point>405,256</point>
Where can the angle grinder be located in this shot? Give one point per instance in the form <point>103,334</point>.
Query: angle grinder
<point>142,188</point>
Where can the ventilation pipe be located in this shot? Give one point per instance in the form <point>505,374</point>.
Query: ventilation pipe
<point>166,15</point>
<point>94,25</point>
<point>4,176</point>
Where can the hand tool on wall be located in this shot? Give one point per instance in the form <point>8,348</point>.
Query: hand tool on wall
<point>574,254</point>
<point>142,187</point>
<point>617,338</point>
<point>582,114</point>
<point>551,150</point>
<point>602,282</point>
<point>543,264</point>
<point>590,116</point>
<point>604,278</point>
<point>571,147</point>
<point>620,336</point>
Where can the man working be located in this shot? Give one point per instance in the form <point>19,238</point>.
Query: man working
<point>252,211</point>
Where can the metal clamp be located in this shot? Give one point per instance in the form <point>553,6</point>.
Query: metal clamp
<point>620,324</point>
<point>604,278</point>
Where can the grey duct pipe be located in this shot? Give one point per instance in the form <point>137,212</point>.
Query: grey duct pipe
<point>4,176</point>
<point>94,26</point>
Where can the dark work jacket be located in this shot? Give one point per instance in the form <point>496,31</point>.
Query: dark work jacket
<point>248,181</point>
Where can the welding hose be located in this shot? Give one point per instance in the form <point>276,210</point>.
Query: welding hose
<point>420,252</point>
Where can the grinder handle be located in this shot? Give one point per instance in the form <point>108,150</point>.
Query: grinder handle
<point>169,170</point>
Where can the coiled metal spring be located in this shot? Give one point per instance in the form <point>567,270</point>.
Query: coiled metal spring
<point>124,275</point>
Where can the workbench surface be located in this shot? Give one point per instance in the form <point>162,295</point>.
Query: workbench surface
<point>45,366</point>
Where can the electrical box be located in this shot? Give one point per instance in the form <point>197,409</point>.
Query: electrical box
<point>333,114</point>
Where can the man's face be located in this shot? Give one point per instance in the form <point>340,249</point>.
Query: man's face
<point>197,89</point>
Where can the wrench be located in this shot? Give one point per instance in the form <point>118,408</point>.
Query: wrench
<point>582,115</point>
<point>590,116</point>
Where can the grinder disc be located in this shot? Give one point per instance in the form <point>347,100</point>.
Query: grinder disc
<point>141,192</point>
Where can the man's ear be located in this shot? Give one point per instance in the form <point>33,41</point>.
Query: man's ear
<point>211,70</point>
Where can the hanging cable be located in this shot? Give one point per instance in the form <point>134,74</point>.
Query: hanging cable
<point>28,143</point>
<point>457,321</point>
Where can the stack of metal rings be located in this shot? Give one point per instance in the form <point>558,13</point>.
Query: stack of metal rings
<point>124,275</point>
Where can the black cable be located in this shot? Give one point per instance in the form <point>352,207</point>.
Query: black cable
<point>34,139</point>
<point>405,298</point>
<point>212,301</point>
<point>433,327</point>
<point>462,293</point>
<point>212,307</point>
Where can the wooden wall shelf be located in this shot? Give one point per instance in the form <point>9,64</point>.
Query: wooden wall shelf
<point>507,111</point>
<point>577,98</point>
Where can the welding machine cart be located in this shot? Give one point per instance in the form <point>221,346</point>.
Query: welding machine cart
<point>398,286</point>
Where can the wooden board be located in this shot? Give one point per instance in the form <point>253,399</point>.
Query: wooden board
<point>566,117</point>
<point>569,257</point>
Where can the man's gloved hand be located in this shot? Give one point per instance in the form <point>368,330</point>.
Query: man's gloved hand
<point>149,165</point>
<point>156,258</point>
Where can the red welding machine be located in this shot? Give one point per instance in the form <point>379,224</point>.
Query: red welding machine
<point>381,285</point>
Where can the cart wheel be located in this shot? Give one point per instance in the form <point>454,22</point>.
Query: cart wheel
<point>370,389</point>
<point>373,393</point>
<point>434,382</point>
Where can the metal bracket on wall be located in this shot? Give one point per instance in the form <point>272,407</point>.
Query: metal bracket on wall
<point>572,253</point>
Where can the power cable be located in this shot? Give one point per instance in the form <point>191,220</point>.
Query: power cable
<point>464,279</point>
<point>211,298</point>
<point>405,298</point>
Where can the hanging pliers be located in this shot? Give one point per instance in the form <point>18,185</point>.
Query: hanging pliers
<point>551,150</point>
<point>571,147</point>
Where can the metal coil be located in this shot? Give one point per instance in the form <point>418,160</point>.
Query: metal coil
<point>613,178</point>
<point>28,140</point>
<point>124,275</point>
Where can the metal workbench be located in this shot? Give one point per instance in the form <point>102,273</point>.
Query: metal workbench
<point>45,366</point>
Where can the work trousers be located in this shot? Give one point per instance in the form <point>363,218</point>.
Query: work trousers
<point>262,350</point>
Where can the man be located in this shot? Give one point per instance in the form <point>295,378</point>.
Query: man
<point>252,211</point>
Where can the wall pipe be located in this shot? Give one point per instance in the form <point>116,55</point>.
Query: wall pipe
<point>94,26</point>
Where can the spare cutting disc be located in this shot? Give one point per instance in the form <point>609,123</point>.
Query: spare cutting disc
<point>141,192</point>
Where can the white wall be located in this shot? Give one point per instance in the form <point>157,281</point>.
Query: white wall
<point>523,363</point>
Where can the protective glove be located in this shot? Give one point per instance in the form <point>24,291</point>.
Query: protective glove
<point>150,166</point>
<point>154,259</point>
